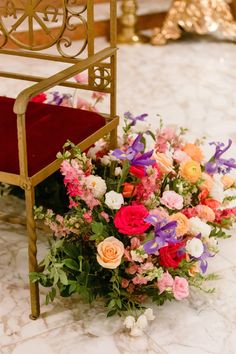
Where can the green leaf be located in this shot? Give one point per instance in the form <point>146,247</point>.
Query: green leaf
<point>63,277</point>
<point>52,294</point>
<point>70,263</point>
<point>97,228</point>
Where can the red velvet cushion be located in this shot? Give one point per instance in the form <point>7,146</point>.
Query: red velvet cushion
<point>47,128</point>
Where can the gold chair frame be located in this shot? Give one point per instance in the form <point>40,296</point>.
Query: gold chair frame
<point>101,68</point>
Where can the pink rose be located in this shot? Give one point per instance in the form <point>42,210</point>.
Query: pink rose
<point>180,288</point>
<point>124,283</point>
<point>130,220</point>
<point>165,282</point>
<point>172,200</point>
<point>110,252</point>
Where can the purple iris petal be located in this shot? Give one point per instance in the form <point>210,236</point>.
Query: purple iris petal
<point>144,159</point>
<point>152,247</point>
<point>133,119</point>
<point>218,164</point>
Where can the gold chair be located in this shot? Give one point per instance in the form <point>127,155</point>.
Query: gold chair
<point>33,134</point>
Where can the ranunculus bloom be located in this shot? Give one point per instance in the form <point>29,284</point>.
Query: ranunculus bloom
<point>110,252</point>
<point>129,220</point>
<point>138,171</point>
<point>190,170</point>
<point>172,200</point>
<point>182,223</point>
<point>180,288</point>
<point>205,213</point>
<point>165,282</point>
<point>129,190</point>
<point>227,181</point>
<point>193,151</point>
<point>164,162</point>
<point>171,256</point>
<point>211,203</point>
<point>114,200</point>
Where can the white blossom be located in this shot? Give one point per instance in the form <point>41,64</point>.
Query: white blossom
<point>149,314</point>
<point>97,185</point>
<point>129,322</point>
<point>195,247</point>
<point>197,226</point>
<point>114,200</point>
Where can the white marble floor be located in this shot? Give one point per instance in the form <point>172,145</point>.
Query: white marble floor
<point>192,83</point>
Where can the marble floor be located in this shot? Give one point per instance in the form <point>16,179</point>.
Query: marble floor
<point>190,83</point>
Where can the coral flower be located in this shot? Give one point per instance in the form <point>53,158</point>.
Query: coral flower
<point>205,212</point>
<point>182,223</point>
<point>207,182</point>
<point>191,171</point>
<point>129,190</point>
<point>164,163</point>
<point>193,151</point>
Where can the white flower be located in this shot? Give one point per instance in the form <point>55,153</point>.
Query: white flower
<point>149,314</point>
<point>212,244</point>
<point>217,191</point>
<point>99,145</point>
<point>97,185</point>
<point>142,322</point>
<point>105,160</point>
<point>129,322</point>
<point>118,171</point>
<point>197,226</point>
<point>195,247</point>
<point>114,200</point>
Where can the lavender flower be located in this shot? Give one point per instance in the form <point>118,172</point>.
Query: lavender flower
<point>133,154</point>
<point>164,234</point>
<point>218,164</point>
<point>133,119</point>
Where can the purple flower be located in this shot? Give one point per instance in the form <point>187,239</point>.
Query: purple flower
<point>133,119</point>
<point>164,235</point>
<point>133,154</point>
<point>218,164</point>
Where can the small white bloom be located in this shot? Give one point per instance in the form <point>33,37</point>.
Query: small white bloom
<point>98,146</point>
<point>105,160</point>
<point>138,255</point>
<point>97,185</point>
<point>197,226</point>
<point>114,200</point>
<point>217,191</point>
<point>140,127</point>
<point>195,247</point>
<point>212,244</point>
<point>142,322</point>
<point>129,322</point>
<point>149,314</point>
<point>118,171</point>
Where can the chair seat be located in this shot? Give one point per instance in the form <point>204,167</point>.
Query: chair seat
<point>47,129</point>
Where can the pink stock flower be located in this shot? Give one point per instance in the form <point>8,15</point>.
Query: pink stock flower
<point>139,280</point>
<point>105,216</point>
<point>124,283</point>
<point>135,243</point>
<point>180,156</point>
<point>172,200</point>
<point>82,78</point>
<point>88,216</point>
<point>99,96</point>
<point>132,269</point>
<point>180,288</point>
<point>165,282</point>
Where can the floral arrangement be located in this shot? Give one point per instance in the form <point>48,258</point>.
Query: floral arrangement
<point>142,223</point>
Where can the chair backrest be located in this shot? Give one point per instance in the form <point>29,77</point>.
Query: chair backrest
<point>56,20</point>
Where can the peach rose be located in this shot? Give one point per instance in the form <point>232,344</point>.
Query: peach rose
<point>193,151</point>
<point>207,182</point>
<point>182,223</point>
<point>110,252</point>
<point>190,170</point>
<point>205,213</point>
<point>164,162</point>
<point>227,181</point>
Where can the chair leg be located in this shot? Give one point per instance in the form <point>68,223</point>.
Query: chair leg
<point>32,252</point>
<point>113,139</point>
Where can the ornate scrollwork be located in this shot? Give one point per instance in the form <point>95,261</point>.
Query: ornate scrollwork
<point>102,77</point>
<point>34,15</point>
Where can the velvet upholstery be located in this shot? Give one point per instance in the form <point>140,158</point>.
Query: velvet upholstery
<point>47,129</point>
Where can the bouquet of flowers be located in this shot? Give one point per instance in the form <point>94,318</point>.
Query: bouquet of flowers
<point>141,223</point>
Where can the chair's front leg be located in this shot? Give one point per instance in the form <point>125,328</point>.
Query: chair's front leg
<point>32,251</point>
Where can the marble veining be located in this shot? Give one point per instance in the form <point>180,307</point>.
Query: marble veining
<point>191,83</point>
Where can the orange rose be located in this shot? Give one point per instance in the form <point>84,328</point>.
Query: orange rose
<point>182,223</point>
<point>205,212</point>
<point>207,182</point>
<point>110,252</point>
<point>164,162</point>
<point>227,181</point>
<point>193,151</point>
<point>190,170</point>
